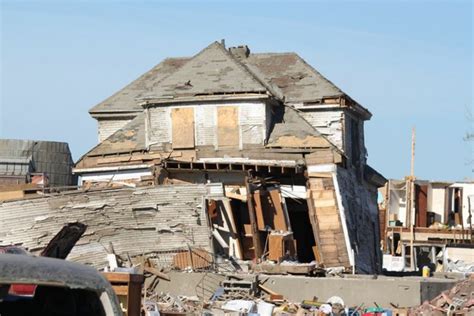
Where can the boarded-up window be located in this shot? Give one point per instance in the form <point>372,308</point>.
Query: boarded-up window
<point>182,120</point>
<point>228,126</point>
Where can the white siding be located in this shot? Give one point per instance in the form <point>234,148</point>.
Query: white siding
<point>252,121</point>
<point>205,123</point>
<point>109,126</point>
<point>159,129</point>
<point>328,123</point>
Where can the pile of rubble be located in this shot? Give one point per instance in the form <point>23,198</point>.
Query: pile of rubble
<point>236,296</point>
<point>459,300</point>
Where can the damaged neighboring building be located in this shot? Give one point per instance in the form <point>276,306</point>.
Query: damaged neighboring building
<point>286,144</point>
<point>125,221</point>
<point>27,165</point>
<point>441,216</point>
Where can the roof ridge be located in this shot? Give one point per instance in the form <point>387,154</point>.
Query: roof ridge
<point>228,58</point>
<point>246,69</point>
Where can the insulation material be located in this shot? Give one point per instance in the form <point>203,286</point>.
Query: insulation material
<point>228,126</point>
<point>136,221</point>
<point>182,123</point>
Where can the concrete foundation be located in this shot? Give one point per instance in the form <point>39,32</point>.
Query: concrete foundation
<point>354,290</point>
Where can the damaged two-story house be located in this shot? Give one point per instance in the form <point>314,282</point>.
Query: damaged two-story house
<point>285,142</point>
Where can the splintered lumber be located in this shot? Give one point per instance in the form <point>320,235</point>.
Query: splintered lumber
<point>158,273</point>
<point>61,244</point>
<point>236,196</point>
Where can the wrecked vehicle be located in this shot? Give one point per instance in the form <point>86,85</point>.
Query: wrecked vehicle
<point>44,286</point>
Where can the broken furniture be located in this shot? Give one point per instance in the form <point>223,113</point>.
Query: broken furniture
<point>128,288</point>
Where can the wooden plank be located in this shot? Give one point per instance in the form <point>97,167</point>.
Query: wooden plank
<point>327,210</point>
<point>259,210</point>
<point>275,247</point>
<point>290,141</point>
<point>158,273</point>
<point>11,195</point>
<point>314,225</point>
<point>324,203</point>
<point>257,245</point>
<point>120,290</point>
<point>228,126</point>
<point>236,196</point>
<point>182,121</point>
<point>323,195</point>
<point>279,220</point>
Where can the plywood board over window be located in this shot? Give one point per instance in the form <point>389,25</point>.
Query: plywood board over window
<point>228,127</point>
<point>182,121</point>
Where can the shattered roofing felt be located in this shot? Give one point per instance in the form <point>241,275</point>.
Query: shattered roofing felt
<point>129,138</point>
<point>124,100</point>
<point>213,70</point>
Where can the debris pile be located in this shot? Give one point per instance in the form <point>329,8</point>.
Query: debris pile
<point>459,300</point>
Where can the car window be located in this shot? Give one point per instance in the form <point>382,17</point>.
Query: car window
<point>54,301</point>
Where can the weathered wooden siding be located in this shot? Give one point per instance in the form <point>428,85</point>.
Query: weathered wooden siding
<point>252,123</point>
<point>109,126</point>
<point>332,242</point>
<point>205,122</point>
<point>159,126</point>
<point>328,122</point>
<point>136,221</point>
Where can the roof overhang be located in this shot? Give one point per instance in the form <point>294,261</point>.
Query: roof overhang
<point>114,114</point>
<point>110,168</point>
<point>372,176</point>
<point>150,102</point>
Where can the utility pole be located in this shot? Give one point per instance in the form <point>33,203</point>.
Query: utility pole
<point>411,199</point>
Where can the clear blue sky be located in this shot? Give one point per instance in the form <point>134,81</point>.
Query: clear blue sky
<point>409,62</point>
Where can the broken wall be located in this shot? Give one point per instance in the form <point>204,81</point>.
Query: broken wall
<point>136,221</point>
<point>359,201</point>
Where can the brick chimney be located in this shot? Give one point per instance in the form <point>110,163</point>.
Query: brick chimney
<point>240,52</point>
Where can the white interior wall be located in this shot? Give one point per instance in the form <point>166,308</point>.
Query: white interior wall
<point>436,202</point>
<point>467,190</point>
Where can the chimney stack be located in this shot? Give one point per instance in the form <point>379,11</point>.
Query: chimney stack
<point>240,52</point>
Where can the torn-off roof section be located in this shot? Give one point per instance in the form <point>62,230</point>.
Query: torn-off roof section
<point>129,138</point>
<point>212,71</point>
<point>124,100</point>
<point>298,81</point>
